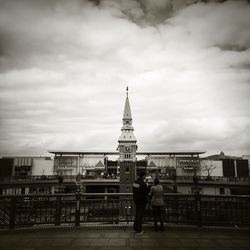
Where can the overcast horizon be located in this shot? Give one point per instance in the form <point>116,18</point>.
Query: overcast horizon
<point>65,65</point>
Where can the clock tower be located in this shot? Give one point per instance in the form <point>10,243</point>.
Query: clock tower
<point>127,150</point>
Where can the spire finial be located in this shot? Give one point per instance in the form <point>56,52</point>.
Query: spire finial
<point>127,91</point>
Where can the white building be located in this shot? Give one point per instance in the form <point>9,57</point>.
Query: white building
<point>42,166</point>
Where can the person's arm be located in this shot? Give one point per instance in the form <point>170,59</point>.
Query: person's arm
<point>146,189</point>
<point>150,191</point>
<point>135,191</point>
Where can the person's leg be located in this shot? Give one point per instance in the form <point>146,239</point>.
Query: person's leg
<point>136,218</point>
<point>155,217</point>
<point>160,213</point>
<point>140,214</point>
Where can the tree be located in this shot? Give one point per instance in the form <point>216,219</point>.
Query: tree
<point>207,167</point>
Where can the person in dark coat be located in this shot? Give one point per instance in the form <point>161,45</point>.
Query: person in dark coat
<point>140,195</point>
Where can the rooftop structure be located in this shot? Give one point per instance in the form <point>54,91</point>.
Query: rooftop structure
<point>170,153</point>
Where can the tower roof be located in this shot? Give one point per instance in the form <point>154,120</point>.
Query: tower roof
<point>127,110</point>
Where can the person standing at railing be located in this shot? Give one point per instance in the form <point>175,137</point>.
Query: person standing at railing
<point>140,196</point>
<point>157,203</point>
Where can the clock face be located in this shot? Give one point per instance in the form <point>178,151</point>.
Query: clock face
<point>127,149</point>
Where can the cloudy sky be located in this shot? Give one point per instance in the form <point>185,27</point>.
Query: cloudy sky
<point>65,65</point>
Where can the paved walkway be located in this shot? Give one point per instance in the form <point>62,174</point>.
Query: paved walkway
<point>122,238</point>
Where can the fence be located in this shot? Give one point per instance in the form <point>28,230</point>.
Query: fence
<point>81,208</point>
<point>73,178</point>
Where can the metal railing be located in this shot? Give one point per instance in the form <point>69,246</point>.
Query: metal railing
<point>214,178</point>
<point>81,208</point>
<point>44,178</point>
<point>53,178</point>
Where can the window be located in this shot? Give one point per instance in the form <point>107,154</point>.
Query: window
<point>127,156</point>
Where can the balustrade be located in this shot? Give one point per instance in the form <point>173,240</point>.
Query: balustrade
<point>80,208</point>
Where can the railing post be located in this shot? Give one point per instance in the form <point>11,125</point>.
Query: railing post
<point>198,209</point>
<point>77,209</point>
<point>58,211</point>
<point>12,213</point>
<point>127,208</point>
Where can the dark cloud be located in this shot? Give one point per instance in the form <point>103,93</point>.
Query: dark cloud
<point>232,47</point>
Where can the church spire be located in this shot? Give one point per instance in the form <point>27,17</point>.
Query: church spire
<point>127,128</point>
<point>127,116</point>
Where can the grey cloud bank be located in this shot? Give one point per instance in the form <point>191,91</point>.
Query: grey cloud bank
<point>64,66</point>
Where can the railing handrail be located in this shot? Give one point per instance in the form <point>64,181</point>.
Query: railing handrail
<point>120,194</point>
<point>161,176</point>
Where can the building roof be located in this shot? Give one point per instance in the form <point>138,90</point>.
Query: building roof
<point>221,156</point>
<point>117,153</point>
<point>99,165</point>
<point>152,164</point>
<point>171,153</point>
